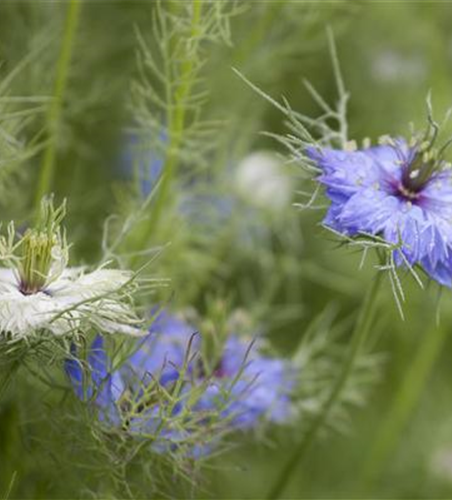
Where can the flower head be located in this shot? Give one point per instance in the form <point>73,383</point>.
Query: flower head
<point>398,190</point>
<point>249,386</point>
<point>39,293</point>
<point>244,387</point>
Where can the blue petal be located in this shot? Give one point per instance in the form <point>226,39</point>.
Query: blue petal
<point>345,172</point>
<point>162,353</point>
<point>74,370</point>
<point>98,360</point>
<point>252,387</point>
<point>102,380</point>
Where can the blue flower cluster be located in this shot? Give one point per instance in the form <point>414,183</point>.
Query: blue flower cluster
<point>244,388</point>
<point>399,191</point>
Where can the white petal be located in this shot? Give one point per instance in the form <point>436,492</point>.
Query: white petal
<point>74,301</point>
<point>112,327</point>
<point>21,314</point>
<point>78,286</point>
<point>8,279</point>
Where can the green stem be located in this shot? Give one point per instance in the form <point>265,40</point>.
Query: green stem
<point>10,486</point>
<point>176,124</point>
<point>54,111</point>
<point>359,336</point>
<point>406,399</point>
<point>260,30</point>
<point>12,369</point>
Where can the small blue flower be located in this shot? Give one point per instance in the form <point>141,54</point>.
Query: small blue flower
<point>244,388</point>
<point>249,386</point>
<point>206,210</point>
<point>402,193</point>
<point>97,382</point>
<point>142,161</point>
<point>162,353</point>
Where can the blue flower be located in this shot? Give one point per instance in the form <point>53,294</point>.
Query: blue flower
<point>248,386</point>
<point>209,211</point>
<point>162,353</point>
<point>158,356</point>
<point>99,383</point>
<point>244,388</point>
<point>142,161</point>
<point>402,193</point>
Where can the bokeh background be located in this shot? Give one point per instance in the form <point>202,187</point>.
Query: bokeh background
<point>280,266</point>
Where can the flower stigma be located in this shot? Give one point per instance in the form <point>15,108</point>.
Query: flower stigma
<point>422,163</point>
<point>44,252</point>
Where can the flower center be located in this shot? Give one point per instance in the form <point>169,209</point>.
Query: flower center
<point>43,251</point>
<point>37,261</point>
<point>407,193</point>
<point>418,170</point>
<point>205,371</point>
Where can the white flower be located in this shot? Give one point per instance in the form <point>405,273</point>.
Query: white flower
<point>441,463</point>
<point>69,304</point>
<point>38,293</point>
<point>261,180</point>
<point>391,66</point>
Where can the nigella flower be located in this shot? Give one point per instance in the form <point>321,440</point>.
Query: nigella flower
<point>158,360</point>
<point>398,190</point>
<point>245,385</point>
<point>38,293</point>
<point>242,389</point>
<point>249,386</point>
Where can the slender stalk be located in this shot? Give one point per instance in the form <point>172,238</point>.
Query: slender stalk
<point>10,486</point>
<point>12,369</point>
<point>176,123</point>
<point>405,400</point>
<point>54,111</point>
<point>359,336</point>
<point>259,31</point>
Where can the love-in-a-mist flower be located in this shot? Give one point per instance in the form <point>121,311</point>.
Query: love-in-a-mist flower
<point>39,293</point>
<point>243,387</point>
<point>399,190</point>
<point>157,360</point>
<point>249,386</point>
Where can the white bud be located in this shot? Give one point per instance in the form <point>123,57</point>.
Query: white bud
<point>390,66</point>
<point>262,180</point>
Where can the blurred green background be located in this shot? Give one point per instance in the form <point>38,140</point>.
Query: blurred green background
<point>392,54</point>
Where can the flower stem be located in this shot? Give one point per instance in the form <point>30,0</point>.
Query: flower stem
<point>259,32</point>
<point>405,400</point>
<point>359,336</point>
<point>12,369</point>
<point>54,111</point>
<point>176,120</point>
